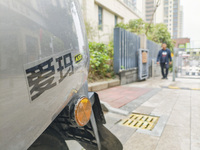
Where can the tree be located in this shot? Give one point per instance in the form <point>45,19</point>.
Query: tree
<point>157,33</point>
<point>160,34</point>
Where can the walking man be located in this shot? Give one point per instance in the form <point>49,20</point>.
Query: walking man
<point>164,58</point>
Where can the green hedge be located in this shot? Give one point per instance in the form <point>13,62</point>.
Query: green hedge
<point>101,60</point>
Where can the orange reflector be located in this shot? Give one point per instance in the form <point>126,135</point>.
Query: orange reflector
<point>83,110</point>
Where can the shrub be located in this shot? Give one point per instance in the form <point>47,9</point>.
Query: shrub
<point>101,60</point>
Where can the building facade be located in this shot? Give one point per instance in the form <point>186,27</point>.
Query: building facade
<point>173,17</point>
<point>182,43</point>
<point>103,15</point>
<point>149,8</point>
<point>181,22</point>
<point>168,12</point>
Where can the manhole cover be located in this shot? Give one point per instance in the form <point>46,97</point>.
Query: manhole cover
<point>140,121</point>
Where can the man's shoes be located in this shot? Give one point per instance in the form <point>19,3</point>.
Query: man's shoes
<point>166,78</point>
<point>163,77</point>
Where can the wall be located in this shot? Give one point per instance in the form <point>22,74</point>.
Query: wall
<point>140,4</point>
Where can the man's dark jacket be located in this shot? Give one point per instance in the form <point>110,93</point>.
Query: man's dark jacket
<point>164,56</point>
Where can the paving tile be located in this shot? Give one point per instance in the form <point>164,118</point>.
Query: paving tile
<point>139,141</point>
<point>174,138</point>
<point>180,118</point>
<point>195,136</point>
<point>120,102</point>
<point>120,96</point>
<point>123,133</point>
<point>164,108</point>
<point>140,100</point>
<point>195,128</point>
<point>144,110</point>
<point>112,119</point>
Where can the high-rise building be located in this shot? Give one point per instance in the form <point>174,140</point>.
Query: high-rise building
<point>168,12</point>
<point>181,22</point>
<point>150,7</point>
<point>158,7</point>
<point>169,18</point>
<point>176,19</point>
<point>173,17</point>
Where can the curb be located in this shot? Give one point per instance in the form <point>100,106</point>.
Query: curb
<point>98,86</point>
<point>107,108</point>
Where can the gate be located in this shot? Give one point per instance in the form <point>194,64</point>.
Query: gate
<point>126,45</point>
<point>186,63</point>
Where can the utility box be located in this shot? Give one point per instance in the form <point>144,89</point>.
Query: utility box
<point>143,64</point>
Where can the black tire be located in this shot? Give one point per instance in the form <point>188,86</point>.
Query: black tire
<point>49,140</point>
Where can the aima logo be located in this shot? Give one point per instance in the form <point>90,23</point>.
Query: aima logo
<point>42,77</point>
<point>78,58</point>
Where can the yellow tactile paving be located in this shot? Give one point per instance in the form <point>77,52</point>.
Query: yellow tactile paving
<point>140,121</point>
<point>195,89</point>
<point>173,87</point>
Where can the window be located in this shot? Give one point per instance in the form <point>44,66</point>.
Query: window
<point>149,11</point>
<point>175,15</point>
<point>148,15</point>
<point>150,3</point>
<point>175,6</point>
<point>116,20</point>
<point>175,10</point>
<point>100,17</point>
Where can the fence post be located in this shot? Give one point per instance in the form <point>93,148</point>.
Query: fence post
<point>153,68</point>
<point>143,41</point>
<point>117,49</point>
<point>174,64</point>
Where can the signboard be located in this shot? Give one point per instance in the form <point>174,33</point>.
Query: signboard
<point>144,57</point>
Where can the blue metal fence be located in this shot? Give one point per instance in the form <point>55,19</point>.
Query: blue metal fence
<point>126,45</point>
<point>153,51</point>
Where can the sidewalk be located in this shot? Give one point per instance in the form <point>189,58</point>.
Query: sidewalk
<point>178,127</point>
<point>121,95</point>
